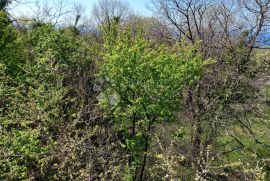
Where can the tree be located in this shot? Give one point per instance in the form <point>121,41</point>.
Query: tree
<point>142,85</point>
<point>154,29</point>
<point>105,12</point>
<point>217,23</point>
<point>212,106</point>
<point>42,112</point>
<point>10,46</point>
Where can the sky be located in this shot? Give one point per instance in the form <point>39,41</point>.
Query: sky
<point>138,6</point>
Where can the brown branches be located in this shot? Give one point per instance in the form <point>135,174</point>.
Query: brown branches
<point>217,24</point>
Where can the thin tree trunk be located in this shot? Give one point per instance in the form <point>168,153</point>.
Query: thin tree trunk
<point>146,147</point>
<point>133,132</point>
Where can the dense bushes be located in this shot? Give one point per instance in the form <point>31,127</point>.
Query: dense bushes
<point>126,107</point>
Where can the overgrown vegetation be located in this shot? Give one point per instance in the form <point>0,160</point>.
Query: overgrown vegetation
<point>183,97</point>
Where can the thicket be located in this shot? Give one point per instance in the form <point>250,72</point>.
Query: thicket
<point>123,104</point>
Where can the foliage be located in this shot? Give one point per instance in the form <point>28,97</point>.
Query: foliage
<point>41,104</point>
<point>142,85</point>
<point>10,46</point>
<point>133,100</point>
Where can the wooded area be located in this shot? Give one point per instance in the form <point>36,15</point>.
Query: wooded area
<point>182,95</point>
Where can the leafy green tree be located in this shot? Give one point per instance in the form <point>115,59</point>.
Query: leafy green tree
<point>44,108</point>
<point>19,145</point>
<point>11,47</point>
<point>143,84</point>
